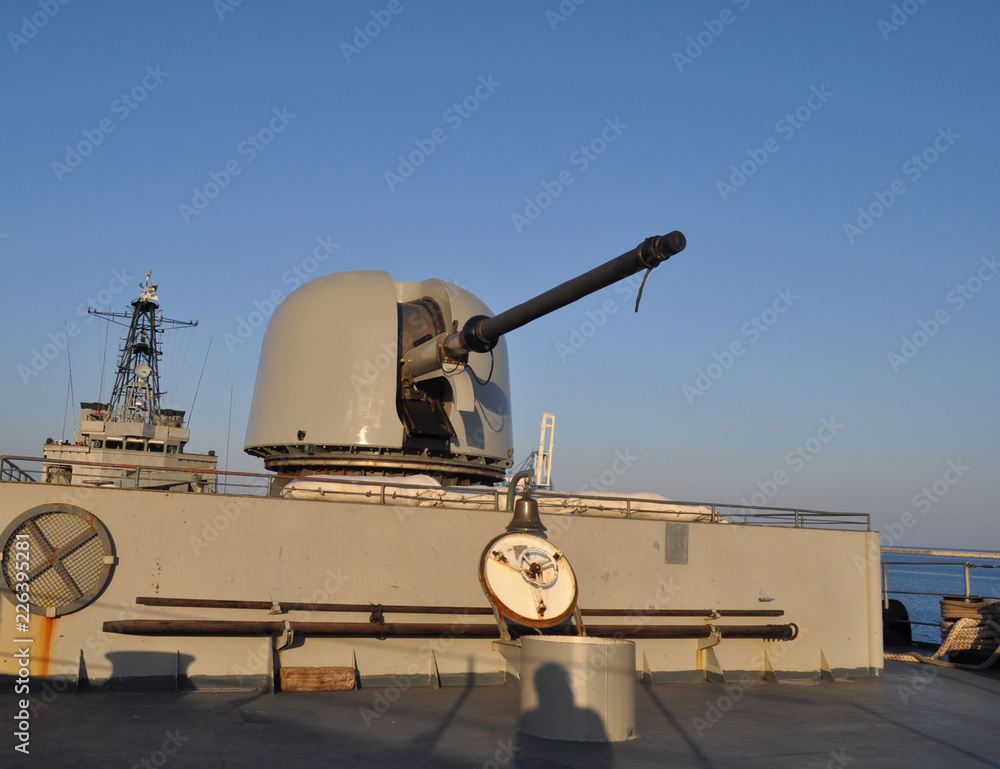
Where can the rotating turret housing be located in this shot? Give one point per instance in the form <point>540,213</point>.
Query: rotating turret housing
<point>332,397</point>
<point>359,374</point>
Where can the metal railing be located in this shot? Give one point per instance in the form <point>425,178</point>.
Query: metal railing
<point>966,567</point>
<point>797,517</point>
<point>11,472</point>
<point>119,475</point>
<point>391,491</point>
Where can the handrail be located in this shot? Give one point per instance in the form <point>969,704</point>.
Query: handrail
<point>628,506</point>
<point>11,472</point>
<point>949,553</point>
<point>967,566</point>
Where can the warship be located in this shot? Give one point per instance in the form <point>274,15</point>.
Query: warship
<point>132,441</point>
<point>388,542</point>
<point>382,413</point>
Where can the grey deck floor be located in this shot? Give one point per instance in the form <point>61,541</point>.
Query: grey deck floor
<point>915,716</point>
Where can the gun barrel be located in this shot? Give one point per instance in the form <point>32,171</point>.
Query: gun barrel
<point>481,334</point>
<point>649,254</point>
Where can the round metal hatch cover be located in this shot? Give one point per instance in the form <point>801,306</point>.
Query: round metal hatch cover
<point>528,579</point>
<point>69,559</point>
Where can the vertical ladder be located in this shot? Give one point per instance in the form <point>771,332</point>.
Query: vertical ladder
<point>543,459</point>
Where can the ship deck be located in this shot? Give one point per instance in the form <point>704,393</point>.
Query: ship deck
<point>915,716</point>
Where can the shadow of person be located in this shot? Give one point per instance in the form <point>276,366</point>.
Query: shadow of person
<point>148,670</point>
<point>557,733</point>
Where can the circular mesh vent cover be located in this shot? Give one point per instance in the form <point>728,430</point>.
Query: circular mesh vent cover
<point>69,558</point>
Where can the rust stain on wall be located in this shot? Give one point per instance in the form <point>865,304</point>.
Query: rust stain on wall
<point>46,634</point>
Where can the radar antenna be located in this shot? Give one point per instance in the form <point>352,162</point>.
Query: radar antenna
<point>136,394</point>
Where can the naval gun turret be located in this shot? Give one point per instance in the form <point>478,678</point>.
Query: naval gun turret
<point>363,375</point>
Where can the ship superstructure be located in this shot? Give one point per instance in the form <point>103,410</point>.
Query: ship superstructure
<point>132,441</point>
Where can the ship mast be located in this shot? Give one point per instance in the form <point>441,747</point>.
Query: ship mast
<point>136,394</point>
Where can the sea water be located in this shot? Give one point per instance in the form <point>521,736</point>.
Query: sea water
<point>931,575</point>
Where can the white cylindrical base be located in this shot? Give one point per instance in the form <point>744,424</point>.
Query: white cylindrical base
<point>578,688</point>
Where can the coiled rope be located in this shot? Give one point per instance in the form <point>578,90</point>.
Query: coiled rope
<point>964,627</point>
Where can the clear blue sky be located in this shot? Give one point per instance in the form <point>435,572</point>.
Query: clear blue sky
<point>756,129</point>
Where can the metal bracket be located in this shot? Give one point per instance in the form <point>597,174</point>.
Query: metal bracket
<point>501,624</point>
<point>378,617</point>
<point>286,637</point>
<point>511,652</point>
<point>714,638</point>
